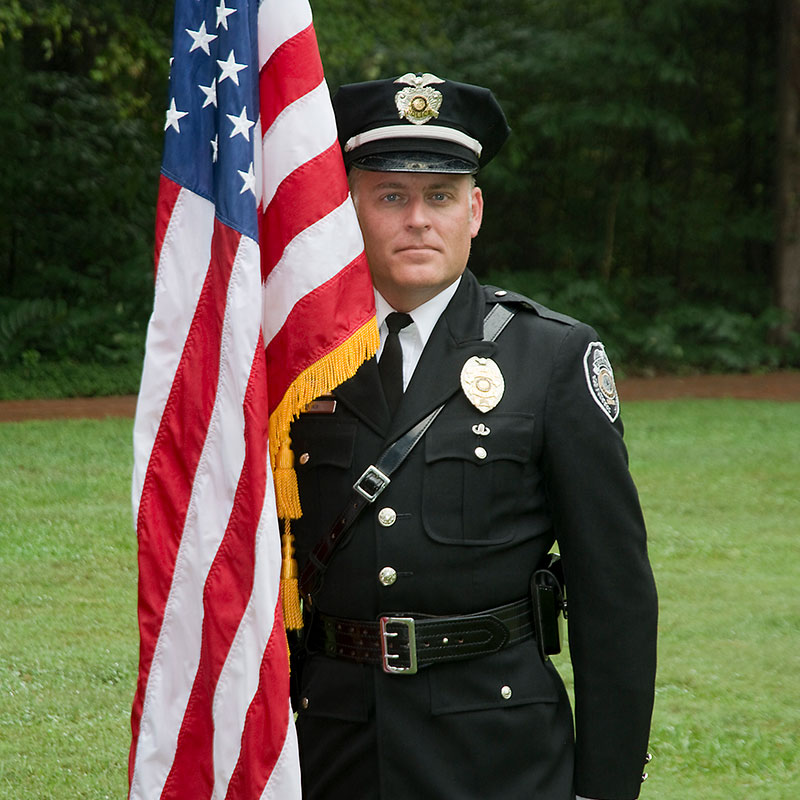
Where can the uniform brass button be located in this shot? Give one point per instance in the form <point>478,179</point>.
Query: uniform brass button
<point>505,692</point>
<point>387,576</point>
<point>387,517</point>
<point>304,702</point>
<point>304,458</point>
<point>500,293</point>
<point>480,452</point>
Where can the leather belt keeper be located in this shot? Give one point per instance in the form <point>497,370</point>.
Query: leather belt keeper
<point>402,643</point>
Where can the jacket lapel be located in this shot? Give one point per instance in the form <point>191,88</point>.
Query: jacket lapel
<point>363,395</point>
<point>457,336</point>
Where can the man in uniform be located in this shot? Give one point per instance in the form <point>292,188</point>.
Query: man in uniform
<point>421,676</point>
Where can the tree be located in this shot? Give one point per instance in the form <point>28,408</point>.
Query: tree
<point>81,144</point>
<point>642,158</point>
<point>787,255</point>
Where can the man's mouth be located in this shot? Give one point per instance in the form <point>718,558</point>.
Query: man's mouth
<point>416,247</point>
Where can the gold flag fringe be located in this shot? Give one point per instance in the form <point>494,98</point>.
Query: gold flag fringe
<point>290,597</point>
<point>319,378</point>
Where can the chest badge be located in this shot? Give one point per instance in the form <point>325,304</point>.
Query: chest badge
<point>482,383</point>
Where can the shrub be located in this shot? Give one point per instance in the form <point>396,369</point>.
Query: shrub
<point>648,328</point>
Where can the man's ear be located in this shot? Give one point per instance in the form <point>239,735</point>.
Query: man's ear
<point>477,211</point>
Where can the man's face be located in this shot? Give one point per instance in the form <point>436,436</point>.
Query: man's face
<point>417,230</point>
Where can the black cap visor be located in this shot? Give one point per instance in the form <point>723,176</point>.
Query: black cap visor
<point>413,155</point>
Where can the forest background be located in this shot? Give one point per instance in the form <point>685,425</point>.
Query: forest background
<point>644,188</point>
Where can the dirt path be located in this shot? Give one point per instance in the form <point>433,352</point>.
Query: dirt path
<point>779,386</point>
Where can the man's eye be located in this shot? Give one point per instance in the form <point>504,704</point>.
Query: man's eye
<point>392,197</point>
<point>439,197</point>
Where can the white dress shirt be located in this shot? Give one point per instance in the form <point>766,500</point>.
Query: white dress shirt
<point>414,337</point>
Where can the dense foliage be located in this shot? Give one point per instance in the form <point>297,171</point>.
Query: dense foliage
<point>81,131</point>
<point>639,175</point>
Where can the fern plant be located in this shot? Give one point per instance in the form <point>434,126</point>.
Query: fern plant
<point>26,321</point>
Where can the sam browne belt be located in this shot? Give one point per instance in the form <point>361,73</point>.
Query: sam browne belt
<point>401,644</point>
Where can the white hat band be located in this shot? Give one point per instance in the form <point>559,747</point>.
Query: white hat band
<point>414,132</point>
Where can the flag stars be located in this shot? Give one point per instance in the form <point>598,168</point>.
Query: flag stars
<point>223,14</point>
<point>210,92</point>
<point>201,38</point>
<point>241,125</point>
<point>173,115</point>
<point>230,69</point>
<point>248,180</point>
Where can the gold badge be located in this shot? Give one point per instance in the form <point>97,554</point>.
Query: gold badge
<point>482,383</point>
<point>418,102</point>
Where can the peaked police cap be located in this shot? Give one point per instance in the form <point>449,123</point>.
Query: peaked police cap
<point>418,123</point>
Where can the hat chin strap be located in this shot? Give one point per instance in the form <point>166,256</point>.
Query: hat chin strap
<point>438,132</point>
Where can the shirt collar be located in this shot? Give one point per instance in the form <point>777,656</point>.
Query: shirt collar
<point>425,316</point>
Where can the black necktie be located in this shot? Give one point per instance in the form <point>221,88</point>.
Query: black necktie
<point>391,364</point>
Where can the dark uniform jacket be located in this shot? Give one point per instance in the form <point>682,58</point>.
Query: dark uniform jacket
<point>469,532</point>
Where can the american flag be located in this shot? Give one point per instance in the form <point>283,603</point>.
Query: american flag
<point>262,302</point>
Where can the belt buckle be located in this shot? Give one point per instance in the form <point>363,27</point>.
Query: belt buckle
<point>386,635</point>
<point>371,483</point>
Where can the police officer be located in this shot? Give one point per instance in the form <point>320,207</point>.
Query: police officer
<point>423,673</point>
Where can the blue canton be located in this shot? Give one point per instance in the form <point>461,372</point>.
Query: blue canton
<point>210,129</point>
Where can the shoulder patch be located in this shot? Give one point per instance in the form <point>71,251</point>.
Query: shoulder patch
<point>600,379</point>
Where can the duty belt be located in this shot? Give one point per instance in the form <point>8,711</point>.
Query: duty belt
<point>401,644</point>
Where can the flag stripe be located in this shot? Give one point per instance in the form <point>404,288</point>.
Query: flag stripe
<point>304,266</point>
<point>183,266</point>
<point>278,21</point>
<point>225,597</point>
<point>280,783</point>
<point>165,507</point>
<point>303,131</point>
<point>239,678</point>
<point>293,70</point>
<point>300,341</point>
<point>306,195</point>
<point>265,723</point>
<point>168,192</point>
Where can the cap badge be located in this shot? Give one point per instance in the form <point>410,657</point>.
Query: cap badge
<point>482,383</point>
<point>419,101</point>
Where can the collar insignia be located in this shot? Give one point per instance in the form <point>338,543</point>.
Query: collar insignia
<point>419,101</point>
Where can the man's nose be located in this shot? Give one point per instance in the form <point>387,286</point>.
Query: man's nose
<point>417,213</point>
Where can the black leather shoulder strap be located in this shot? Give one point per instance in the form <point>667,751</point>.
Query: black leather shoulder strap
<point>378,475</point>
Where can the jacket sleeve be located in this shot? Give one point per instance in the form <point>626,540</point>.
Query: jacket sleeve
<point>611,593</point>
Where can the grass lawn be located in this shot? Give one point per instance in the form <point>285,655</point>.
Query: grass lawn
<point>720,485</point>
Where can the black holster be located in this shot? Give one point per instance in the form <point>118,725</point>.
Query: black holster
<point>549,601</point>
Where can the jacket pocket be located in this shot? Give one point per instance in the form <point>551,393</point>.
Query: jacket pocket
<point>513,677</point>
<point>334,689</point>
<point>322,442</point>
<point>323,455</point>
<point>473,479</point>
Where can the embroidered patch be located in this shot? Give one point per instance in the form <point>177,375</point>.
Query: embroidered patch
<point>600,379</point>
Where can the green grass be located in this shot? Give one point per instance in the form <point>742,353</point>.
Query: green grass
<point>720,485</point>
<point>68,640</point>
